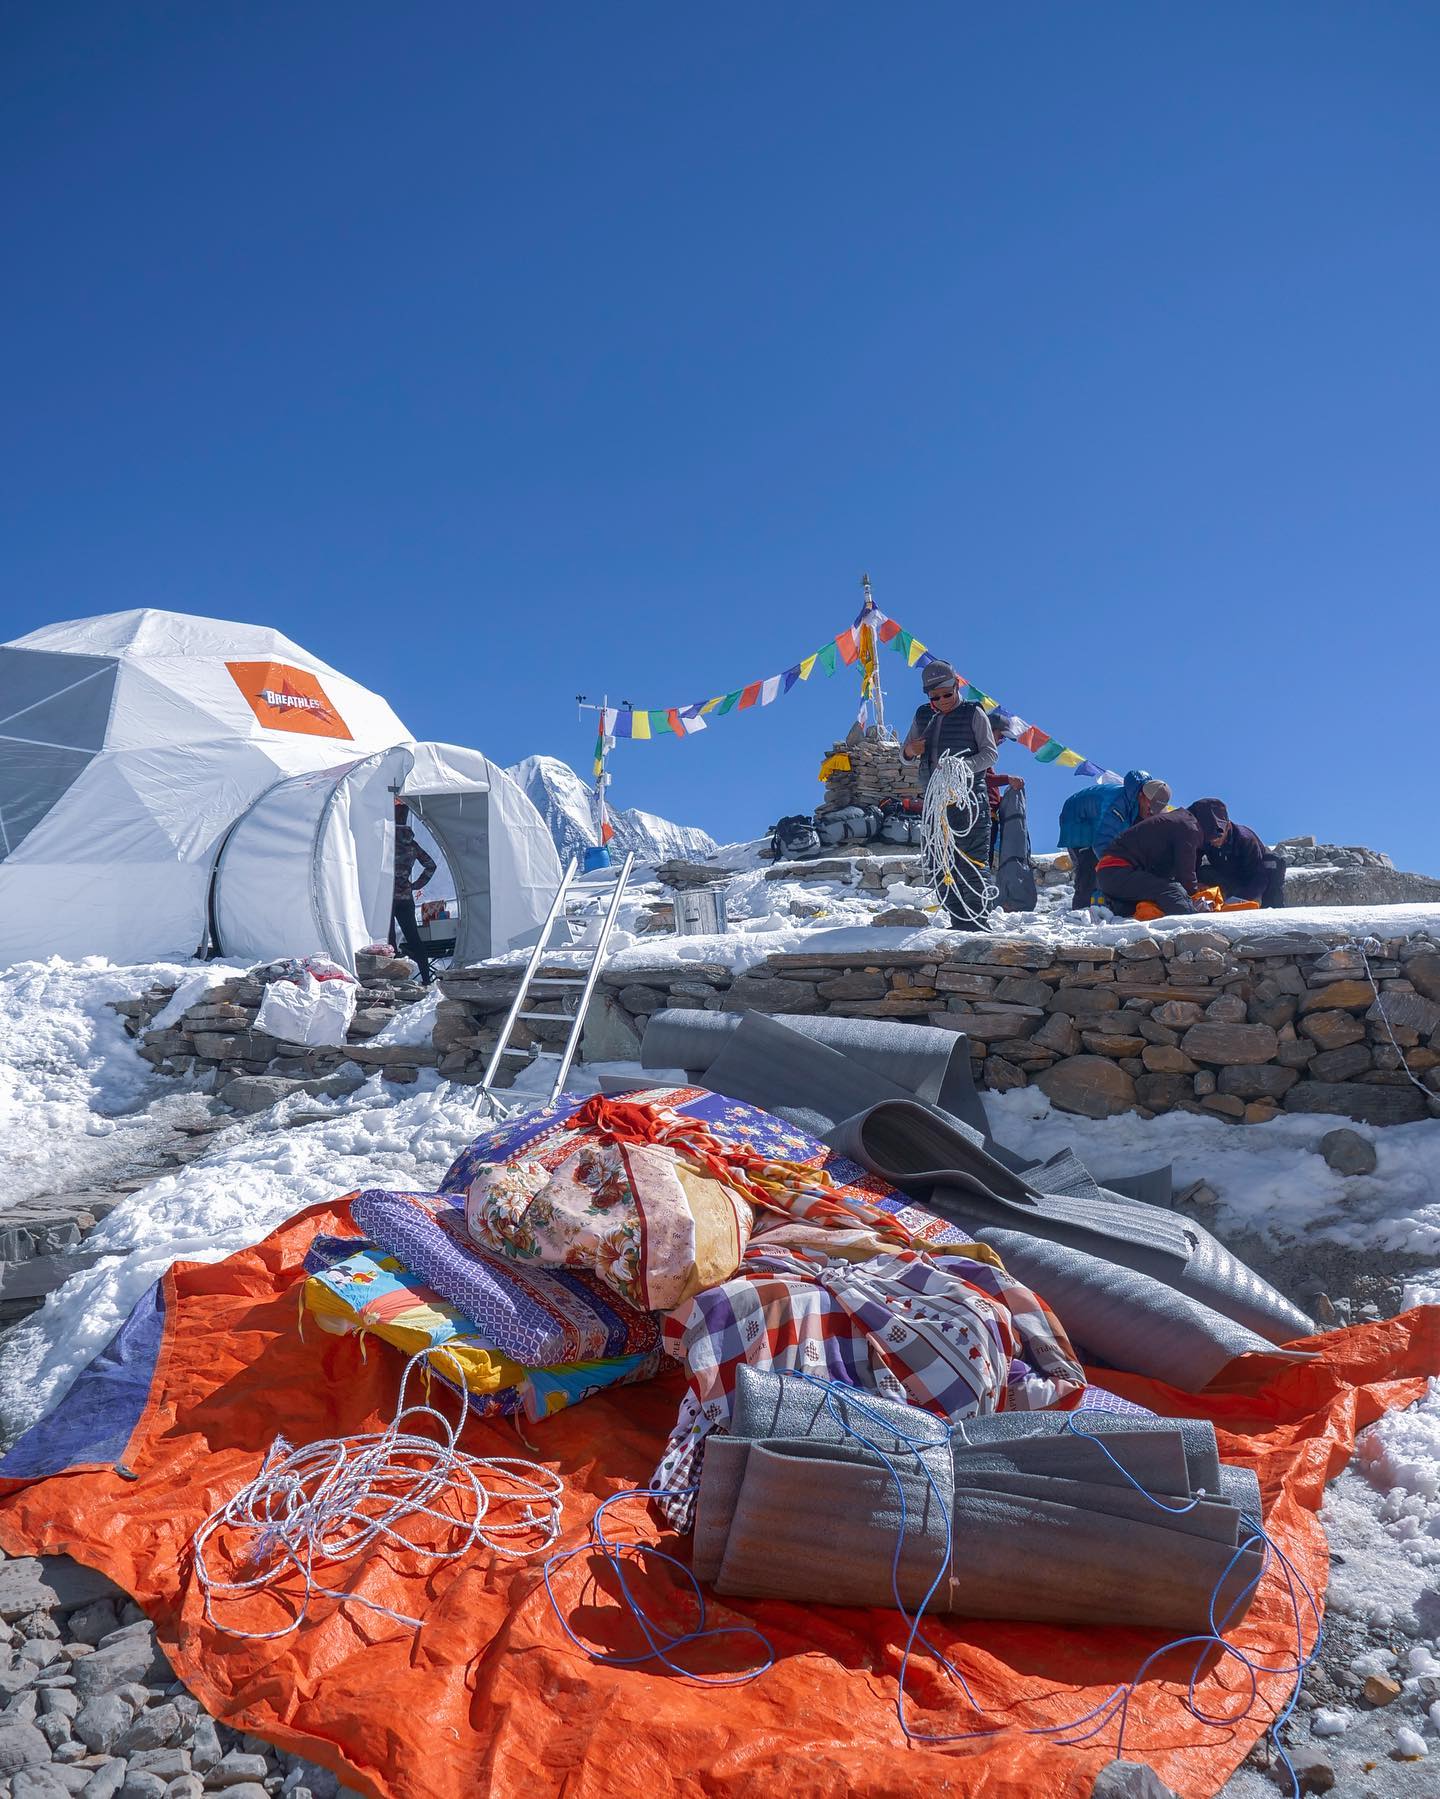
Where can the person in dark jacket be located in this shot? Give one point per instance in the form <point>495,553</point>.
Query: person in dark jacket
<point>1238,863</point>
<point>1093,817</point>
<point>1157,860</point>
<point>946,724</point>
<point>407,853</point>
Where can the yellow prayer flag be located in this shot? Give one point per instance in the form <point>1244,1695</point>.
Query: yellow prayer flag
<point>1069,759</point>
<point>806,666</point>
<point>639,724</point>
<point>917,650</point>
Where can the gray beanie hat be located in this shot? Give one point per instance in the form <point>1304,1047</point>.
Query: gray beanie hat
<point>937,674</point>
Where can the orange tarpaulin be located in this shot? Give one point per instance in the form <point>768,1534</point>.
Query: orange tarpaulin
<point>491,1697</point>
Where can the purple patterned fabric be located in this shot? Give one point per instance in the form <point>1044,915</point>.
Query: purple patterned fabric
<point>537,1316</point>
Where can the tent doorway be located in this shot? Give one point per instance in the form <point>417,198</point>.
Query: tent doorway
<point>309,868</point>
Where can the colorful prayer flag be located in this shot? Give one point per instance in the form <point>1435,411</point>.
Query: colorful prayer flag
<point>915,652</point>
<point>1091,771</point>
<point>640,725</point>
<point>1069,759</point>
<point>1033,738</point>
<point>826,658</point>
<point>769,689</point>
<point>749,695</point>
<point>849,649</point>
<point>805,668</point>
<point>1050,752</point>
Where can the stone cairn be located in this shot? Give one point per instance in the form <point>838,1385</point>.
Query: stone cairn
<point>877,772</point>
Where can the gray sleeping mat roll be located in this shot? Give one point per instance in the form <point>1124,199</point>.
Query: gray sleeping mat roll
<point>1043,1527</point>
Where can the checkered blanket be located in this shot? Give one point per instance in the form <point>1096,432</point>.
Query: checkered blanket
<point>946,1332</point>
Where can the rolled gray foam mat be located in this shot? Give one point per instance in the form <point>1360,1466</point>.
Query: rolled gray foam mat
<point>1127,1318</point>
<point>921,1060</point>
<point>920,1151</point>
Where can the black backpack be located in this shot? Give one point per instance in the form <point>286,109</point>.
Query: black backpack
<point>794,838</point>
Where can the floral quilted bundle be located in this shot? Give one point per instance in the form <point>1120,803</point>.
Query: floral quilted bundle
<point>649,1223</point>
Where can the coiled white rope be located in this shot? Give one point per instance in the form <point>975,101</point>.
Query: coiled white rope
<point>331,1501</point>
<point>950,874</point>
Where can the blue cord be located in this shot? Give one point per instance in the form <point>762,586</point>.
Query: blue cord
<point>664,1643</point>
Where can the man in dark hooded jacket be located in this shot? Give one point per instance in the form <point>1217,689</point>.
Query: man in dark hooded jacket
<point>1157,860</point>
<point>1239,864</point>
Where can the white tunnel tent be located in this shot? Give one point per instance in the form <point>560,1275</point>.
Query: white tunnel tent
<point>308,869</point>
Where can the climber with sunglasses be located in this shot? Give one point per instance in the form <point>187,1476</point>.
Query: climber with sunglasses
<point>949,725</point>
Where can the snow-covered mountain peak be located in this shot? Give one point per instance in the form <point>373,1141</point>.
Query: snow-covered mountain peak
<point>563,801</point>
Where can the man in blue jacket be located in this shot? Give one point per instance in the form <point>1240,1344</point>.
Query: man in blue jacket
<point>1093,818</point>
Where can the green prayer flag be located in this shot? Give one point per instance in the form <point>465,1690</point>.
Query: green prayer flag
<point>660,725</point>
<point>728,702</point>
<point>901,641</point>
<point>1049,752</point>
<point>826,658</point>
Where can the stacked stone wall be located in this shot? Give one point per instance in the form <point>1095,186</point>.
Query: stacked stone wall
<point>1240,1028</point>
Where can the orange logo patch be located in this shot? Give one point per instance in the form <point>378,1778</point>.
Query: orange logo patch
<point>288,699</point>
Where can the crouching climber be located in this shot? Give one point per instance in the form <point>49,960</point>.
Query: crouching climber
<point>1238,863</point>
<point>946,724</point>
<point>1158,860</point>
<point>1093,817</point>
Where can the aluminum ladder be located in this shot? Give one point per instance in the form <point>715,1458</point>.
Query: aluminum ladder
<point>535,984</point>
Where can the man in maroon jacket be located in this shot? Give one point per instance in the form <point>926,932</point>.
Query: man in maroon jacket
<point>1239,864</point>
<point>1157,860</point>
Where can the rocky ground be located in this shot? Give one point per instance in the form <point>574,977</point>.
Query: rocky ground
<point>91,1705</point>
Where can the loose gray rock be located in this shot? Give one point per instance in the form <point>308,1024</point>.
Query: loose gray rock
<point>185,1786</point>
<point>118,1662</point>
<point>205,1750</point>
<point>1313,1769</point>
<point>41,1783</point>
<point>257,1092</point>
<point>142,1786</point>
<point>72,1751</point>
<point>247,1789</point>
<point>320,1782</point>
<point>1129,1780</point>
<point>21,1746</point>
<point>15,1680</point>
<point>92,1622</point>
<point>22,1709</point>
<point>153,1729</point>
<point>58,1699</point>
<point>235,1769</point>
<point>55,1728</point>
<point>106,1781</point>
<point>102,1721</point>
<point>164,1764</point>
<point>1348,1152</point>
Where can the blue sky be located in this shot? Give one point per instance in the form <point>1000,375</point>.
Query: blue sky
<point>501,353</point>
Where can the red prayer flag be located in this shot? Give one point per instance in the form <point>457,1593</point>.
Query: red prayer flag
<point>675,724</point>
<point>749,696</point>
<point>888,629</point>
<point>847,646</point>
<point>1034,738</point>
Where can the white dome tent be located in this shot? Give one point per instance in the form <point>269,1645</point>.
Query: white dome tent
<point>133,744</point>
<point>310,864</point>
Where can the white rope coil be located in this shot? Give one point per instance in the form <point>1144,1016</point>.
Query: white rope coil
<point>950,874</point>
<point>331,1501</point>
